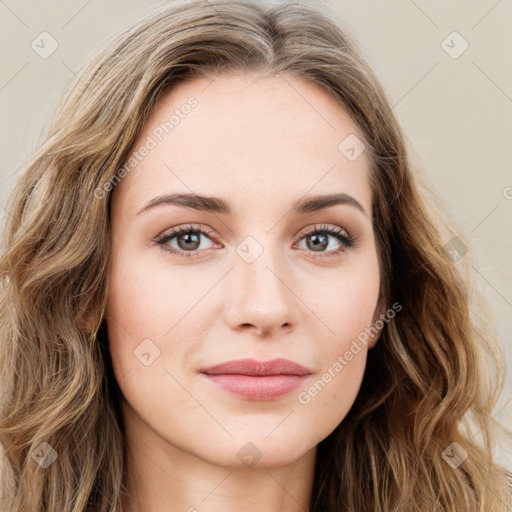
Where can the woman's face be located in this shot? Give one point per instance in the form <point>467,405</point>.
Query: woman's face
<point>256,277</point>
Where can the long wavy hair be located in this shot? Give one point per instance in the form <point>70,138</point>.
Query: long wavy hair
<point>432,380</point>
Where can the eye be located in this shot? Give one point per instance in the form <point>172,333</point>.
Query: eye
<point>188,240</point>
<point>318,239</point>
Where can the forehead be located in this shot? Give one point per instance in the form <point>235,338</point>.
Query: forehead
<point>243,135</point>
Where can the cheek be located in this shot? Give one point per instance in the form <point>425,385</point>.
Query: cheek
<point>145,296</point>
<point>152,317</point>
<point>134,313</point>
<point>330,395</point>
<point>346,306</point>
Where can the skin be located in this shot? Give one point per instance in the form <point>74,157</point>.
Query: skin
<point>261,144</point>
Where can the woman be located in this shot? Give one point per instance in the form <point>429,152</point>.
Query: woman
<point>314,348</point>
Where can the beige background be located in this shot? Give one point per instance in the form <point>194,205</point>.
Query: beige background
<point>456,111</point>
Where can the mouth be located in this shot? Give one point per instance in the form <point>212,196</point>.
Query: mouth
<point>255,380</point>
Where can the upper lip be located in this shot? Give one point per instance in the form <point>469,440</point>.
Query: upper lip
<point>252,367</point>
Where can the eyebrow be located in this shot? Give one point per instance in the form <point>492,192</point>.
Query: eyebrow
<point>221,206</point>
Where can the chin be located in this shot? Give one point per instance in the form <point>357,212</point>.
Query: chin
<point>256,452</point>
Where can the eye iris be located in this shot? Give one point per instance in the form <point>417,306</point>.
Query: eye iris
<point>314,242</point>
<point>189,238</point>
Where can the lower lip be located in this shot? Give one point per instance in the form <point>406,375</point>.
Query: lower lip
<point>258,388</point>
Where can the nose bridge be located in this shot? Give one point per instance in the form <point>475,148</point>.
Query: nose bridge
<point>261,279</point>
<point>259,264</point>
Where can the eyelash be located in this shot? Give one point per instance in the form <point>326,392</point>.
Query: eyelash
<point>347,241</point>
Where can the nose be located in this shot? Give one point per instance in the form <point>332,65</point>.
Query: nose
<point>262,295</point>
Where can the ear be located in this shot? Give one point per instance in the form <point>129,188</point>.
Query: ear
<point>377,322</point>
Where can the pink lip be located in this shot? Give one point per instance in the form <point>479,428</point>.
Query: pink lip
<point>255,380</point>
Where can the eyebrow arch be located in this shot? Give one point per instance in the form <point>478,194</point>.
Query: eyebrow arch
<point>218,205</point>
